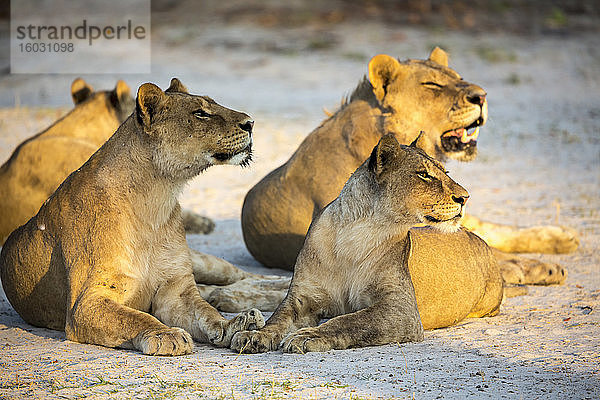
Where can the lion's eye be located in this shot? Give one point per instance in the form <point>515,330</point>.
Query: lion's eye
<point>200,113</point>
<point>432,85</point>
<point>424,175</point>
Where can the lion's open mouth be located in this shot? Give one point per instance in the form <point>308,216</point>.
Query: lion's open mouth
<point>462,140</point>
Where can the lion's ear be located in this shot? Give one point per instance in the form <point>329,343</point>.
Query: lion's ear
<point>439,56</point>
<point>176,87</point>
<point>419,141</point>
<point>122,90</point>
<point>387,150</point>
<point>382,70</point>
<point>80,91</point>
<point>149,101</point>
<point>120,97</point>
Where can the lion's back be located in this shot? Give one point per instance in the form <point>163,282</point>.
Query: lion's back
<point>32,174</point>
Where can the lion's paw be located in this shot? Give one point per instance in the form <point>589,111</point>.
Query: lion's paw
<point>526,271</point>
<point>195,223</point>
<point>254,342</point>
<point>540,273</point>
<point>244,321</point>
<point>305,340</point>
<point>165,342</point>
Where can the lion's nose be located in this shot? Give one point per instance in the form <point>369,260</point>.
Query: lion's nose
<point>247,125</point>
<point>462,200</point>
<point>476,96</point>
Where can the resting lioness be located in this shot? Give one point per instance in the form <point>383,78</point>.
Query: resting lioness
<point>106,257</point>
<point>39,164</point>
<point>401,98</point>
<point>353,267</point>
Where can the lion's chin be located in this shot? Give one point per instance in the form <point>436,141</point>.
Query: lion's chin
<point>464,156</point>
<point>241,157</point>
<point>446,226</point>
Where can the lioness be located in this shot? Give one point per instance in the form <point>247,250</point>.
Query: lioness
<point>354,269</point>
<point>39,165</point>
<point>398,97</point>
<point>106,257</point>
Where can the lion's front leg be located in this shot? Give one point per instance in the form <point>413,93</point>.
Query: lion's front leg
<point>510,239</point>
<point>256,341</point>
<point>178,303</point>
<point>394,319</point>
<point>98,319</point>
<point>296,311</point>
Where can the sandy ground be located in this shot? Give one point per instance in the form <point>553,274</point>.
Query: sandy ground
<point>539,164</point>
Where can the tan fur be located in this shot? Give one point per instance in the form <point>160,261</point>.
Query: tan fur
<point>400,98</point>
<point>39,165</point>
<point>526,271</point>
<point>264,293</point>
<point>278,210</point>
<point>358,259</point>
<point>535,239</point>
<point>231,289</point>
<point>106,258</point>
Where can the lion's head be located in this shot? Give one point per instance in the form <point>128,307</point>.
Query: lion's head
<point>416,187</point>
<point>117,101</point>
<point>426,95</point>
<point>191,132</point>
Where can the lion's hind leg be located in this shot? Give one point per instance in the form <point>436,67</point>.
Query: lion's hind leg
<point>537,239</point>
<point>493,290</point>
<point>263,293</point>
<point>526,271</point>
<point>515,290</point>
<point>231,289</point>
<point>34,278</point>
<point>211,270</point>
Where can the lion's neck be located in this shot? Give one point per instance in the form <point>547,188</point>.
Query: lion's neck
<point>130,170</point>
<point>358,227</point>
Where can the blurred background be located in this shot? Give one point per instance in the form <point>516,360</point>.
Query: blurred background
<point>285,62</point>
<point>207,41</point>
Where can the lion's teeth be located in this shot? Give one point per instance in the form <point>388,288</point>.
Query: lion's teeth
<point>466,137</point>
